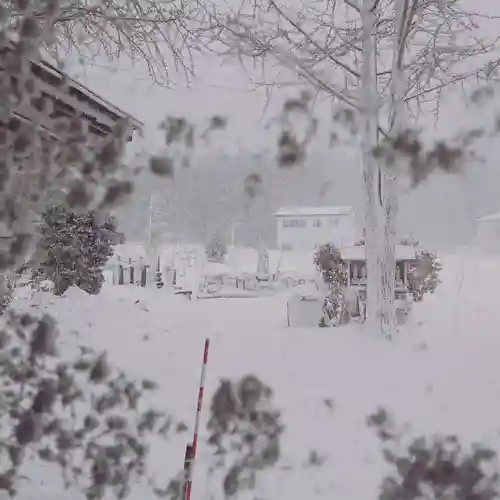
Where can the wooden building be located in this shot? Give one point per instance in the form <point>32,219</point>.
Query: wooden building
<point>355,259</point>
<point>57,95</point>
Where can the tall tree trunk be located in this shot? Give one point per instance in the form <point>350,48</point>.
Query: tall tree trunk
<point>387,315</point>
<point>369,99</point>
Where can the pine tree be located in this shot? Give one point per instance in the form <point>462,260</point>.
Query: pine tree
<point>76,247</point>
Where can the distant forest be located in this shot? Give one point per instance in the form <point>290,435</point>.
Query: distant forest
<point>243,192</point>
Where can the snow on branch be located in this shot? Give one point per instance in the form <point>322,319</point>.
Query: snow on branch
<point>441,45</point>
<point>159,33</point>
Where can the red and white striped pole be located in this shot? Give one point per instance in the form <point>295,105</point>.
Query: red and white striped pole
<point>191,448</point>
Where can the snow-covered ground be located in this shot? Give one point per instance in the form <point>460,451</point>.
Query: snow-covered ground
<point>439,376</point>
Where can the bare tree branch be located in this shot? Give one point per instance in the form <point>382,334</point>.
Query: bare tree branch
<point>440,42</point>
<point>162,34</point>
<point>310,39</point>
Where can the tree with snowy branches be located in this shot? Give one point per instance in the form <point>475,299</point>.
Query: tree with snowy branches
<point>75,247</point>
<point>328,261</point>
<point>151,32</point>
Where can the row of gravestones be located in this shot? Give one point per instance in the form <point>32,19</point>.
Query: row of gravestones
<point>131,275</point>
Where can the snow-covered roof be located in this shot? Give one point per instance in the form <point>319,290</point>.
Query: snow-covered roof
<point>490,218</point>
<point>403,252</point>
<point>311,211</point>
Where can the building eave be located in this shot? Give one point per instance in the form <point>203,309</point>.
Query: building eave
<point>70,98</point>
<point>90,94</point>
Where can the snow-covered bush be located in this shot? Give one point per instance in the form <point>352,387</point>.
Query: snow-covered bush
<point>245,430</point>
<point>329,262</point>
<point>334,312</point>
<point>75,248</point>
<point>216,249</point>
<point>437,467</point>
<point>424,274</point>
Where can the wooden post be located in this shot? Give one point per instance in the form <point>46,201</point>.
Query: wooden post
<point>131,272</point>
<point>121,275</point>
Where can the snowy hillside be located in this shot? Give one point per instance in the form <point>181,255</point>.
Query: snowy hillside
<point>439,376</point>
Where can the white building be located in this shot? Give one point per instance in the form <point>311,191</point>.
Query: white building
<point>488,233</point>
<point>304,229</point>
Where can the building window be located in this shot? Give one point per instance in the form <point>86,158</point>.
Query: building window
<point>286,247</point>
<point>317,223</point>
<point>334,222</point>
<point>294,223</point>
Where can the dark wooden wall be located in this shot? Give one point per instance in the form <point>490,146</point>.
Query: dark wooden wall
<point>56,95</point>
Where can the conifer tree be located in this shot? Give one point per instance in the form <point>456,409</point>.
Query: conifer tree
<point>75,247</point>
